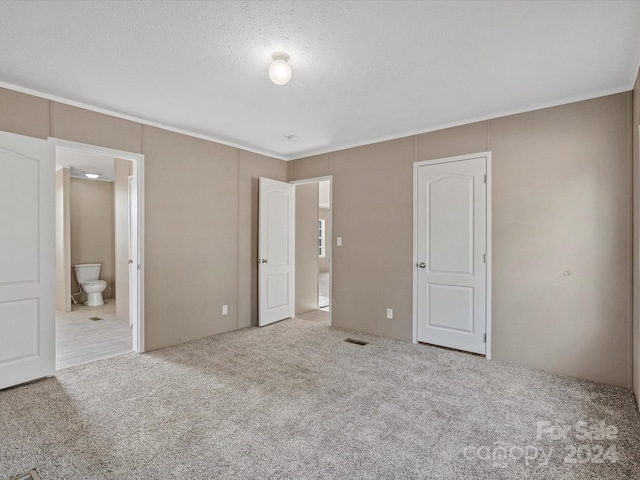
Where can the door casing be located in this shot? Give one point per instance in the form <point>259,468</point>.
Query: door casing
<point>328,178</point>
<point>137,159</point>
<point>458,158</point>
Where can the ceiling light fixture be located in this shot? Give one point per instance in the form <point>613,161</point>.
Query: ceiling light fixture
<point>92,175</point>
<point>280,70</point>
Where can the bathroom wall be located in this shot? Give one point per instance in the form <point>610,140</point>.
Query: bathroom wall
<point>121,210</point>
<point>92,229</point>
<point>306,248</point>
<point>63,241</point>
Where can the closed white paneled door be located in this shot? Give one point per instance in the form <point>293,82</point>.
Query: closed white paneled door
<point>276,251</point>
<point>27,259</point>
<point>451,254</point>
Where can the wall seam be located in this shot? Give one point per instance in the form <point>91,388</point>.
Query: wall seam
<point>487,141</point>
<point>50,118</point>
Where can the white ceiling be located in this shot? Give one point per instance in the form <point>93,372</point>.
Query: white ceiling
<point>362,71</point>
<point>80,163</point>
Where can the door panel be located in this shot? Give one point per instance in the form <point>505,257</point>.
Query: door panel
<point>27,261</point>
<point>451,211</point>
<point>276,252</point>
<point>451,307</point>
<point>451,214</point>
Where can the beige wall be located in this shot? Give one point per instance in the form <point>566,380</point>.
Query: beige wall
<point>201,215</point>
<point>121,222</point>
<point>306,248</point>
<point>372,212</point>
<point>191,233</point>
<point>323,263</point>
<point>92,229</point>
<point>310,167</point>
<point>63,241</point>
<point>24,114</point>
<point>561,201</point>
<point>635,336</point>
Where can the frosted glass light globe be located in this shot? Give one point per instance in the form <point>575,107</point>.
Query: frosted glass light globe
<point>280,70</point>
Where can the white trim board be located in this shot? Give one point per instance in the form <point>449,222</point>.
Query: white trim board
<point>416,165</point>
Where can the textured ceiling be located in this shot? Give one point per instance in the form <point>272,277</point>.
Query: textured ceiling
<point>362,71</point>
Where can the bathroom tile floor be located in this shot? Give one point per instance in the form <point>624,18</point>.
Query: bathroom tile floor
<point>80,340</point>
<point>316,316</point>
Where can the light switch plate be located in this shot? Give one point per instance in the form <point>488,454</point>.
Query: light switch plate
<point>339,241</point>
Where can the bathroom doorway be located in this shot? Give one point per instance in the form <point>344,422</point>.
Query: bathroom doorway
<point>313,250</point>
<point>98,234</point>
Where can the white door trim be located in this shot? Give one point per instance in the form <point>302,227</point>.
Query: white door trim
<point>330,241</point>
<point>458,158</point>
<point>138,173</point>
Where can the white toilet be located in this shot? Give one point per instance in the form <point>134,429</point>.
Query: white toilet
<point>87,275</point>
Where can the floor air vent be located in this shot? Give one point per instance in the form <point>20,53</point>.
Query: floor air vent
<point>32,475</point>
<point>94,318</point>
<point>357,342</point>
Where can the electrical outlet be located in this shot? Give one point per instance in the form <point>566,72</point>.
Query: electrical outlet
<point>225,309</point>
<point>389,313</point>
<point>338,241</point>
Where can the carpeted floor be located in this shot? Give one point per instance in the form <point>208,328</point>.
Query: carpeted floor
<point>293,400</point>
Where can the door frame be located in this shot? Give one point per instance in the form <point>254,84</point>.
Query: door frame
<point>330,242</point>
<point>138,173</point>
<point>458,158</point>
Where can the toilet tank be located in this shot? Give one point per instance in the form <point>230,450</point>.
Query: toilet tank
<point>87,271</point>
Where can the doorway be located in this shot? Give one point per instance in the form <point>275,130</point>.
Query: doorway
<point>313,250</point>
<point>98,224</point>
<point>452,253</point>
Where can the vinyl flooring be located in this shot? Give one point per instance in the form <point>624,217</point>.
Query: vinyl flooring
<point>80,339</point>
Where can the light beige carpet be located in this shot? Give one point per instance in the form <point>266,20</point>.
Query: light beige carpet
<point>293,400</point>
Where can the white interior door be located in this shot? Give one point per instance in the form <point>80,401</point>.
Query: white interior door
<point>276,251</point>
<point>451,254</point>
<point>27,259</point>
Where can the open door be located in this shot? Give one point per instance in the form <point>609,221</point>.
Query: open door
<point>27,259</point>
<point>276,251</point>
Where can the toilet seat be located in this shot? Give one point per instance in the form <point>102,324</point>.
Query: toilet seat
<point>94,283</point>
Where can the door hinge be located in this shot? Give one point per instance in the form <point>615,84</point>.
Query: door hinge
<point>485,338</point>
<point>484,258</point>
<point>485,178</point>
